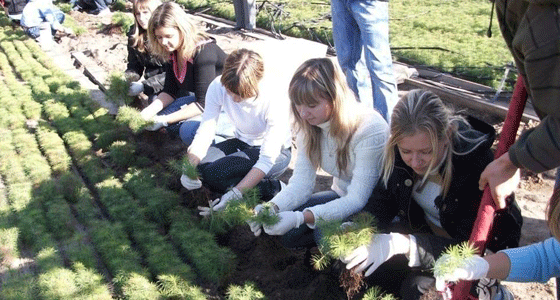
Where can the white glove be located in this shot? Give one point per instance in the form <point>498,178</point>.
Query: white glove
<point>381,248</point>
<point>472,268</point>
<point>135,88</point>
<point>220,204</point>
<point>158,123</point>
<point>256,228</point>
<point>288,220</point>
<point>190,184</point>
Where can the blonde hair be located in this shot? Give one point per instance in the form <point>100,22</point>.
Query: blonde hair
<point>553,213</point>
<point>140,36</point>
<point>243,70</point>
<point>320,78</point>
<point>171,15</point>
<point>423,111</point>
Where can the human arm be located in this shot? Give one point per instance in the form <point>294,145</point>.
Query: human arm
<point>207,65</point>
<point>134,66</point>
<point>502,177</point>
<point>162,101</point>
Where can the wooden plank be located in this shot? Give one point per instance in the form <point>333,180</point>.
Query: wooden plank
<point>468,99</point>
<point>95,73</point>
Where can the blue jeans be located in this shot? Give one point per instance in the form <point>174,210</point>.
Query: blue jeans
<point>228,162</point>
<point>224,129</point>
<point>361,38</point>
<point>173,129</point>
<point>303,236</point>
<point>35,31</point>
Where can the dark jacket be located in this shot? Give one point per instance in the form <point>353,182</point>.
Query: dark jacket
<point>457,211</point>
<point>531,30</point>
<point>143,63</point>
<point>207,63</point>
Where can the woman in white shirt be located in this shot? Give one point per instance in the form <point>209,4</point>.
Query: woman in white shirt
<point>260,150</point>
<point>336,134</point>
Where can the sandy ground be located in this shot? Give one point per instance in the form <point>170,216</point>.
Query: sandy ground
<point>107,47</point>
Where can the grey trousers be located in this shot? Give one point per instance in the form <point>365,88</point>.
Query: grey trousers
<point>245,13</point>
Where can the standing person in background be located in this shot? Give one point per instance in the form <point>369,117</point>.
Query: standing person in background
<point>261,149</point>
<point>140,59</point>
<point>338,135</point>
<point>361,38</point>
<point>531,29</point>
<point>194,61</point>
<point>245,14</point>
<point>428,196</point>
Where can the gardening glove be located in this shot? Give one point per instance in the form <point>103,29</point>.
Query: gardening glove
<point>381,248</point>
<point>288,220</point>
<point>158,123</point>
<point>135,88</point>
<point>220,204</point>
<point>256,228</point>
<point>473,268</point>
<point>190,184</point>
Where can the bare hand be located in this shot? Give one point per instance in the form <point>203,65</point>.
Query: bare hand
<point>502,177</point>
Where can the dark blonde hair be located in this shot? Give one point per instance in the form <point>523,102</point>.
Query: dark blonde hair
<point>553,213</point>
<point>139,37</point>
<point>243,70</point>
<point>423,111</point>
<point>320,78</point>
<point>171,15</point>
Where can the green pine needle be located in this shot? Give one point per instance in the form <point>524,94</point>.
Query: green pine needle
<point>453,257</point>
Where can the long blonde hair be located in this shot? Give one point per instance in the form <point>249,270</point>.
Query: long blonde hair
<point>320,78</point>
<point>140,35</point>
<point>243,70</point>
<point>171,15</point>
<point>423,111</point>
<point>553,213</point>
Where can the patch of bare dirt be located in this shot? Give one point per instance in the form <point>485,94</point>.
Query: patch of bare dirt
<point>278,272</point>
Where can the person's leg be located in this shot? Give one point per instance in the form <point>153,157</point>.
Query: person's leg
<point>303,236</point>
<point>33,32</point>
<point>270,185</point>
<point>227,171</point>
<point>372,18</point>
<point>245,14</point>
<point>187,130</point>
<point>347,42</point>
<point>173,129</point>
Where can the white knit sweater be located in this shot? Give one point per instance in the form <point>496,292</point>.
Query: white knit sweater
<point>262,121</point>
<point>354,189</point>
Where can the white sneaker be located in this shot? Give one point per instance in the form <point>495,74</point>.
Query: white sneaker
<point>104,12</point>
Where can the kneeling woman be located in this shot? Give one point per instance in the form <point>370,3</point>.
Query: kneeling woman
<point>428,196</point>
<point>337,135</point>
<point>260,151</point>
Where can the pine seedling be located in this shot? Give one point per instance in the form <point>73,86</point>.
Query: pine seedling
<point>339,240</point>
<point>267,215</point>
<point>131,117</point>
<point>246,292</point>
<point>375,293</point>
<point>118,89</point>
<point>454,257</point>
<point>236,212</point>
<point>184,166</point>
<point>121,19</point>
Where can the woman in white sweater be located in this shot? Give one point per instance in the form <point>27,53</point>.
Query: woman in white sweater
<point>260,150</point>
<point>336,134</point>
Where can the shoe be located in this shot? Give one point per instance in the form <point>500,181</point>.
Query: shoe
<point>101,12</point>
<point>491,289</point>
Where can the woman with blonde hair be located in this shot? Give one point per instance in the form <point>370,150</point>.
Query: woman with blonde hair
<point>140,59</point>
<point>338,135</point>
<point>260,150</point>
<point>194,61</point>
<point>428,196</point>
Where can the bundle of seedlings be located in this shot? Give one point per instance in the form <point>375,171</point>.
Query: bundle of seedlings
<point>184,166</point>
<point>340,239</point>
<point>118,90</point>
<point>131,118</point>
<point>455,256</point>
<point>241,211</point>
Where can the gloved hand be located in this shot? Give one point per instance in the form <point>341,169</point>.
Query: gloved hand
<point>220,204</point>
<point>256,228</point>
<point>158,123</point>
<point>190,184</point>
<point>135,88</point>
<point>472,268</point>
<point>288,220</point>
<point>381,248</point>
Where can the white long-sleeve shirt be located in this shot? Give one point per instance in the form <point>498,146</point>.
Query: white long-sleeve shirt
<point>262,121</point>
<point>354,187</point>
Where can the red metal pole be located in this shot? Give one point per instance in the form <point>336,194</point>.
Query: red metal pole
<point>483,223</point>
